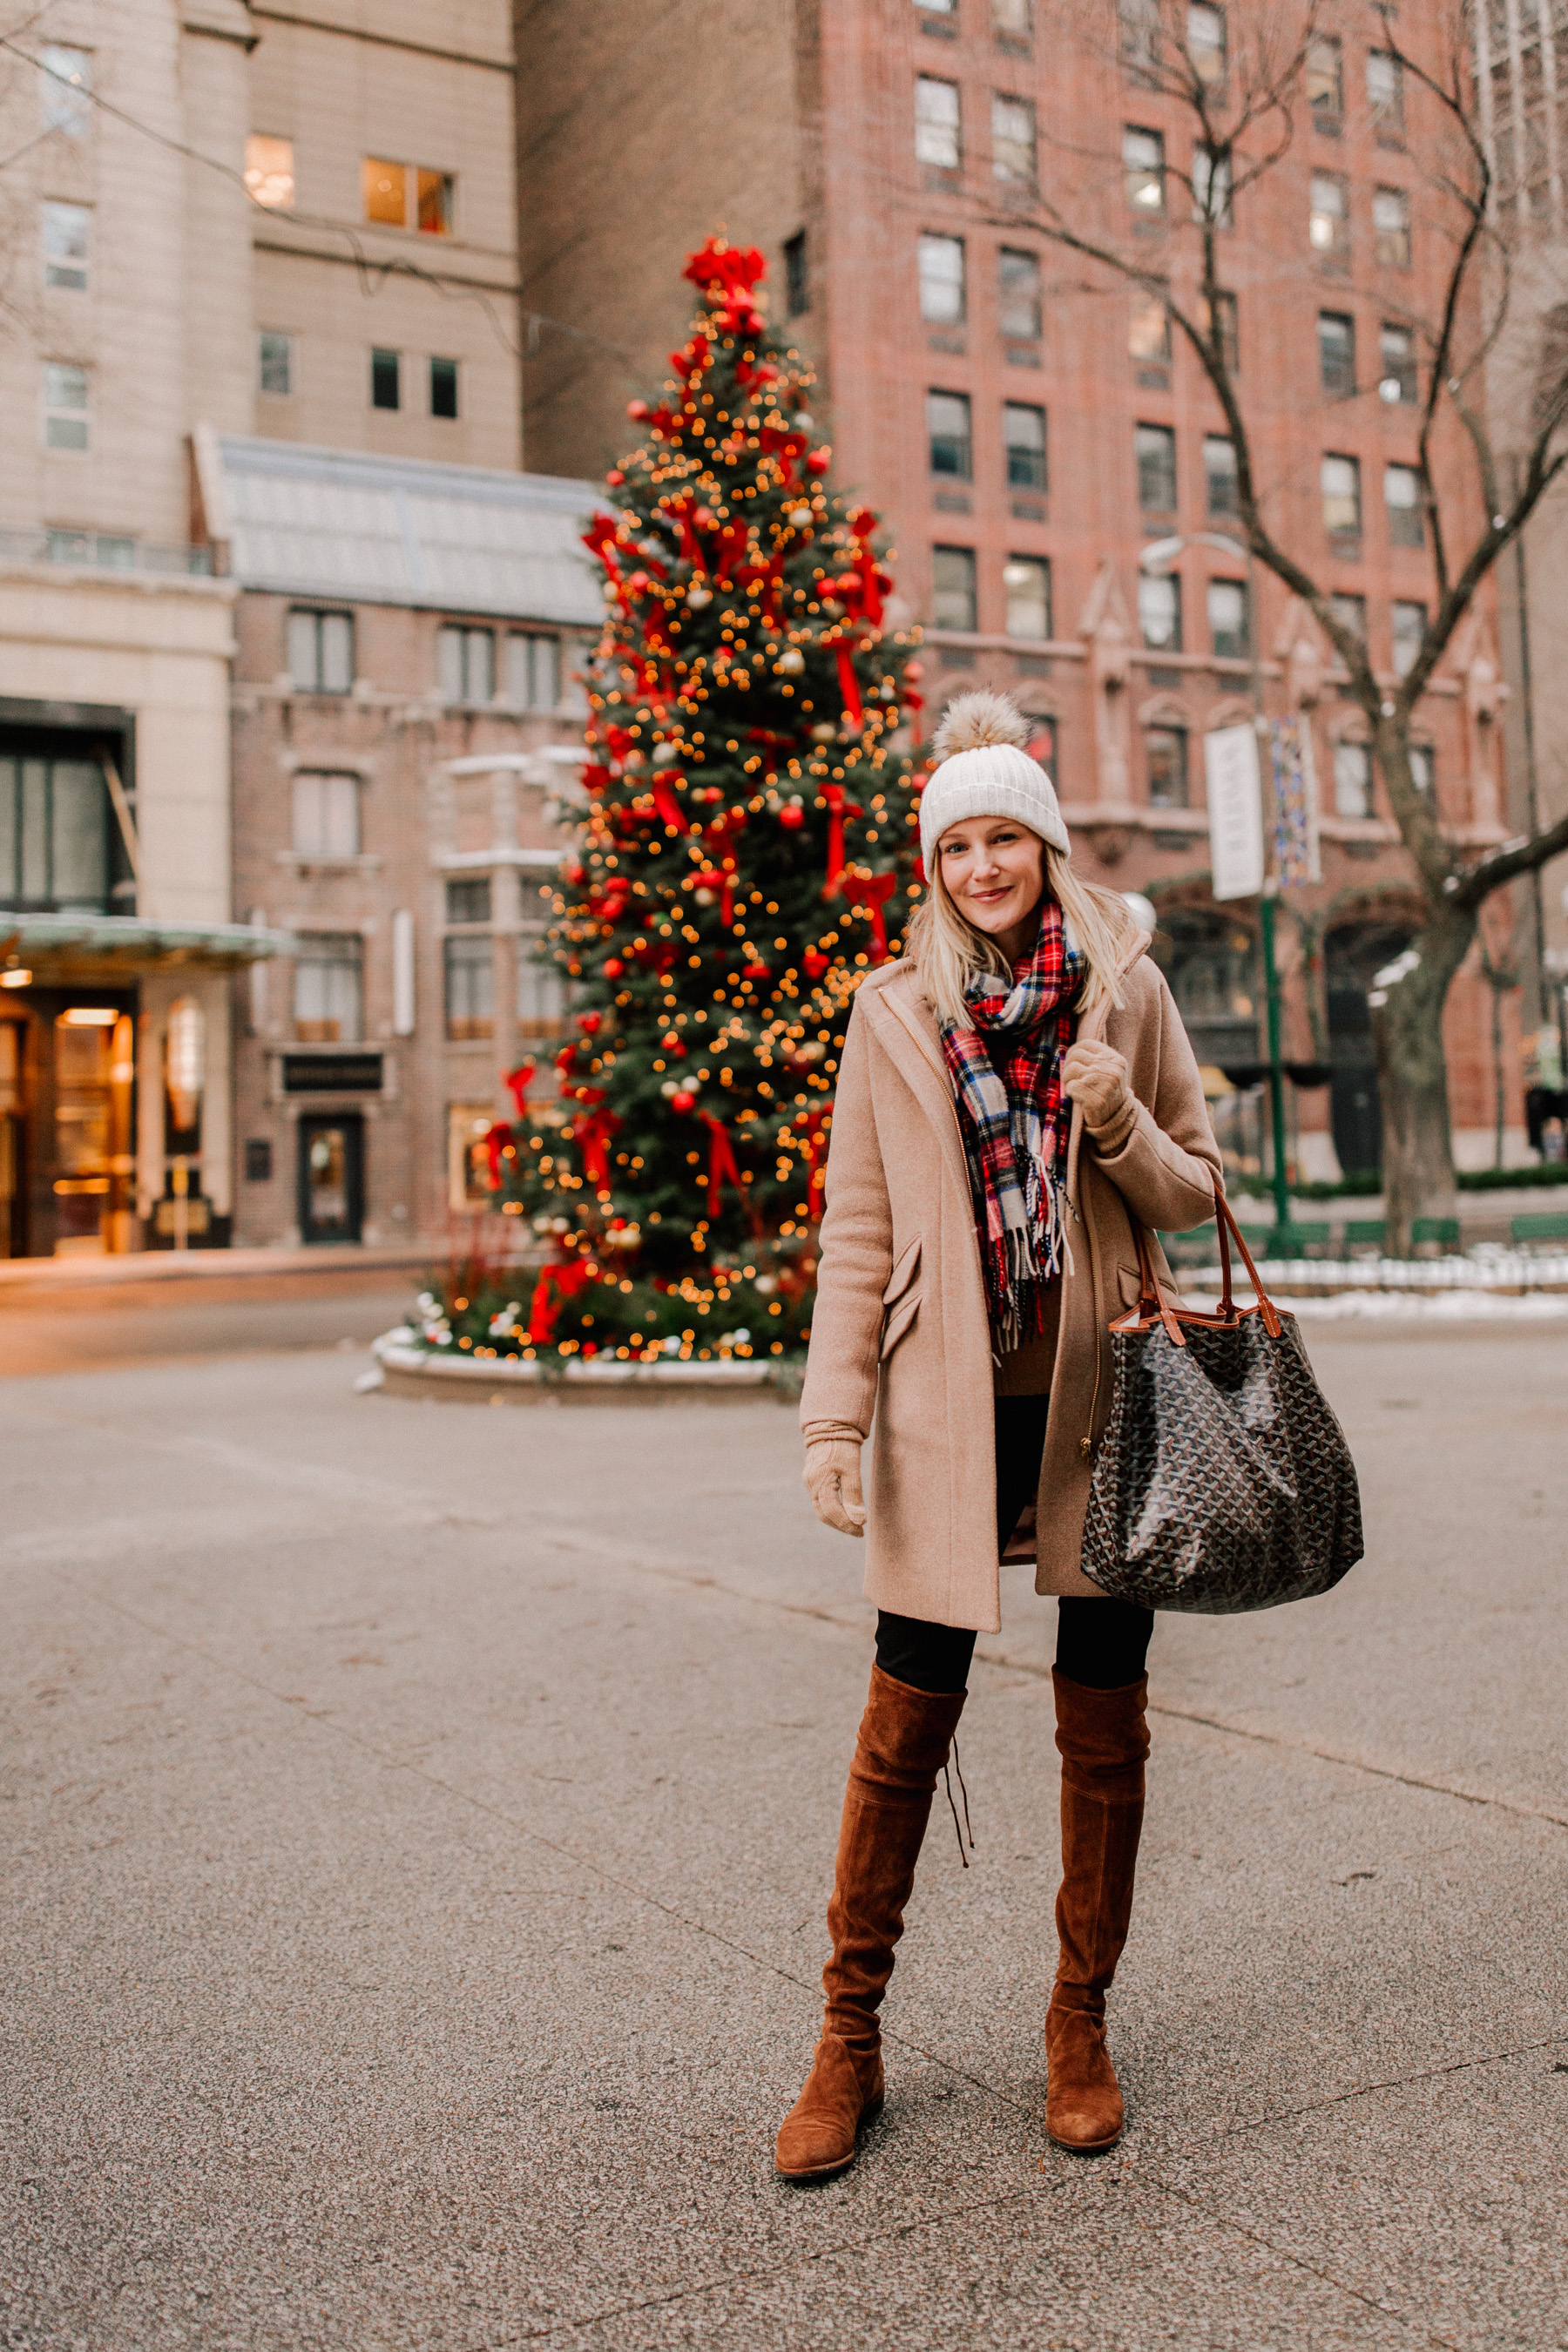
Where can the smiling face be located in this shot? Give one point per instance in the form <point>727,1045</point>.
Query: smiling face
<point>993,869</point>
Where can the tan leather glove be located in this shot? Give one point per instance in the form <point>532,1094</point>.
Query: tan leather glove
<point>833,1481</point>
<point>1095,1075</point>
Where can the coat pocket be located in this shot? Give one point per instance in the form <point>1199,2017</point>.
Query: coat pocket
<point>906,1265</point>
<point>901,1299</point>
<point>899,1321</point>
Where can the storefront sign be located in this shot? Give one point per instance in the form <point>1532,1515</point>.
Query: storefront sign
<point>1235,811</point>
<point>332,1073</point>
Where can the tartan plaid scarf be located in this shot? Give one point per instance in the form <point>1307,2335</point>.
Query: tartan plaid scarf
<point>1006,1077</point>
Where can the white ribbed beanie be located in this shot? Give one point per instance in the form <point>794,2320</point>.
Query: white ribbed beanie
<point>985,771</point>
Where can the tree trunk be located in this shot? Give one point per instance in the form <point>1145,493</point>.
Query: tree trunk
<point>1413,1079</point>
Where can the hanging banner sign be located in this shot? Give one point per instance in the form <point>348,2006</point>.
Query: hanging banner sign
<point>1297,857</point>
<point>1235,811</point>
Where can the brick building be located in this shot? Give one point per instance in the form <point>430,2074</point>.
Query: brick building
<point>1029,426</point>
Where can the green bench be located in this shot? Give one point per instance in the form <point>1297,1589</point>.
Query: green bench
<point>1552,1226</point>
<point>1365,1233</point>
<point>1444,1230</point>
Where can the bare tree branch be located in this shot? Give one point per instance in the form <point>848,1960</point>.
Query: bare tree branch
<point>1517,857</point>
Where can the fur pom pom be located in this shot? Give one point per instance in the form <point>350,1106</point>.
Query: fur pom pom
<point>972,720</point>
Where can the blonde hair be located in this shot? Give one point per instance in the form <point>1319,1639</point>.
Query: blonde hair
<point>949,953</point>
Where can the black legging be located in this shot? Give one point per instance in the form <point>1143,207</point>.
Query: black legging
<point>1101,1644</point>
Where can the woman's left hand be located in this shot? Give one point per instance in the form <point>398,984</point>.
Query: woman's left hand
<point>1095,1077</point>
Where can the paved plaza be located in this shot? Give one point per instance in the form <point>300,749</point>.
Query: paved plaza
<point>416,1831</point>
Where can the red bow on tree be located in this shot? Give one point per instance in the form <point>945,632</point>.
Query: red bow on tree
<point>566,1281</point>
<point>721,1168</point>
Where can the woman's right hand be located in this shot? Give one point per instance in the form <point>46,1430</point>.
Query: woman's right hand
<point>833,1480</point>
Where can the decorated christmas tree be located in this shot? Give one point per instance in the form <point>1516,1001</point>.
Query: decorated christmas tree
<point>747,857</point>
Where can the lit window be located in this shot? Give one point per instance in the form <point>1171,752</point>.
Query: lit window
<point>953,588</point>
<point>936,123</point>
<point>1205,41</point>
<point>941,280</point>
<point>1328,224</point>
<point>1220,474</point>
<point>1350,611</point>
<point>274,363</point>
<point>1024,430</point>
<point>1211,188</point>
<point>1166,749</point>
<point>1026,579</point>
<point>1409,630</point>
<point>1160,611</point>
<point>1012,140</point>
<point>67,81</point>
<point>1386,93</point>
<point>1336,354</point>
<point>1228,631</point>
<point>541,988</point>
<point>1391,227</point>
<point>1423,768</point>
<point>443,387</point>
<point>1325,85</point>
<point>385,380</point>
<point>405,195</point>
<point>385,188</point>
<point>468,899</point>
<point>797,276</point>
<point>1353,778</point>
<point>467,664</point>
<point>1019,294</point>
<point>947,430</point>
<point>1143,163</point>
<point>1342,496</point>
<point>433,199</point>
<point>533,672</point>
<point>1402,495</point>
<point>469,960</point>
<point>64,406</point>
<point>269,171</point>
<point>65,245</point>
<point>321,651</point>
<point>1396,365</point>
<point>1156,451</point>
<point>329,989</point>
<point>1149,334</point>
<point>326,815</point>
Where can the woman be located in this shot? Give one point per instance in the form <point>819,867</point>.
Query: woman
<point>1022,1082</point>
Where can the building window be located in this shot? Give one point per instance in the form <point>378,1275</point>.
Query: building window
<point>1350,611</point>
<point>1390,229</point>
<point>1211,188</point>
<point>1386,95</point>
<point>1018,293</point>
<point>952,589</point>
<point>1024,430</point>
<point>937,142</point>
<point>1156,447</point>
<point>1325,81</point>
<point>321,652</point>
<point>329,989</point>
<point>533,672</point>
<point>64,406</point>
<point>1205,41</point>
<point>1229,330</point>
<point>1144,166</point>
<point>269,171</point>
<point>274,363</point>
<point>1160,611</point>
<point>468,899</point>
<point>1423,768</point>
<point>1166,749</point>
<point>405,195</point>
<point>1409,631</point>
<point>258,1159</point>
<point>1396,365</point>
<point>470,987</point>
<point>326,815</point>
<point>947,429</point>
<point>797,279</point>
<point>541,989</point>
<point>1328,223</point>
<point>1149,332</point>
<point>55,845</point>
<point>67,82</point>
<point>1012,140</point>
<point>1342,496</point>
<point>1402,496</point>
<point>1336,354</point>
<point>937,7</point>
<point>65,245</point>
<point>1353,778</point>
<point>1042,746</point>
<point>1228,632</point>
<point>1026,581</point>
<point>466,664</point>
<point>443,387</point>
<point>941,280</point>
<point>386,379</point>
<point>1012,20</point>
<point>1220,474</point>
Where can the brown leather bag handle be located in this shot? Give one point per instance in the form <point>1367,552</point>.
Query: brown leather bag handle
<point>1266,1307</point>
<point>1151,1299</point>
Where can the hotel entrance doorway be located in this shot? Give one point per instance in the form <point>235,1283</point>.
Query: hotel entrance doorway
<point>331,1177</point>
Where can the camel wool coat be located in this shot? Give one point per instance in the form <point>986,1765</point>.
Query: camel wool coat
<point>900,1344</point>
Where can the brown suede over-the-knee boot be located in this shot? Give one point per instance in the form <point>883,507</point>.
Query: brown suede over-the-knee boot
<point>904,1738</point>
<point>1104,1740</point>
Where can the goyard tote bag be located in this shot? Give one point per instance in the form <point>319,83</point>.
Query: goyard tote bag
<point>1223,1481</point>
